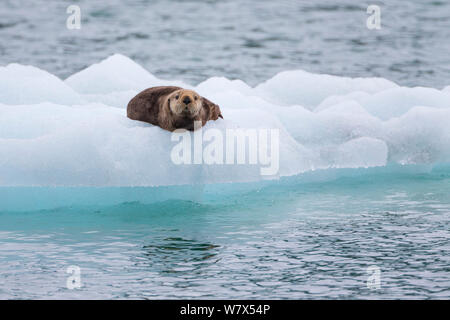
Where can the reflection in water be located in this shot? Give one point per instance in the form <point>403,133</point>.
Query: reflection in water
<point>172,255</point>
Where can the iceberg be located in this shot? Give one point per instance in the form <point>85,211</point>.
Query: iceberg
<point>75,133</point>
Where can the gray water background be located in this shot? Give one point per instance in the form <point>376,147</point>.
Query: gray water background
<point>248,40</point>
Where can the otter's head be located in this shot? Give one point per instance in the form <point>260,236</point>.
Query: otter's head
<point>185,103</point>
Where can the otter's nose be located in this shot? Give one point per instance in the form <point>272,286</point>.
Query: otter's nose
<point>187,100</point>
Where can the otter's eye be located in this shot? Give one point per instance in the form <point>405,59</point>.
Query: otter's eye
<point>177,96</point>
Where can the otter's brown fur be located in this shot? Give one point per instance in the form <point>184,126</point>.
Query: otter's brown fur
<point>164,107</point>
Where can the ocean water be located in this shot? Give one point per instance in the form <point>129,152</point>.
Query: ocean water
<point>248,40</point>
<point>287,240</point>
<point>364,174</point>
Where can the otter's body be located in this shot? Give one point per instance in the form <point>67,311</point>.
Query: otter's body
<point>172,108</point>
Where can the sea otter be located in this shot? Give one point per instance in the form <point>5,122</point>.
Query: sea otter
<point>172,108</point>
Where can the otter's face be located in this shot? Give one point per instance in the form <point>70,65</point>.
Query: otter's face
<point>185,103</point>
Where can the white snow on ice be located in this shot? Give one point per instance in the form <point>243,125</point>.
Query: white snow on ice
<point>76,133</point>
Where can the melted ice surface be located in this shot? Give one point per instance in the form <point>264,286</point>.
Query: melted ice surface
<point>76,133</point>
